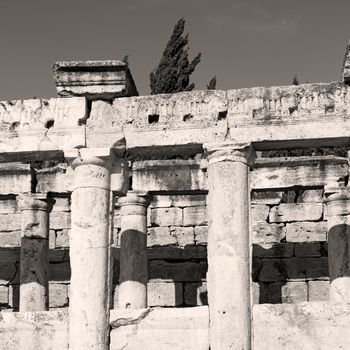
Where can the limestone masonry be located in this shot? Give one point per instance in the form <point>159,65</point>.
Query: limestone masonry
<point>158,222</point>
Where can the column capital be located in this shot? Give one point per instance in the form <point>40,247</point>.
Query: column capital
<point>35,201</point>
<point>99,167</point>
<point>230,152</point>
<point>134,202</point>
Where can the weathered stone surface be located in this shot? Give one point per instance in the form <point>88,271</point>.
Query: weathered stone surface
<point>169,175</point>
<point>177,253</point>
<point>184,200</point>
<point>4,295</point>
<point>62,238</point>
<point>287,212</point>
<point>311,326</point>
<point>184,235</point>
<point>166,217</point>
<point>345,72</point>
<point>61,204</point>
<point>181,119</point>
<point>9,272</point>
<point>34,331</point>
<point>10,239</point>
<point>193,216</point>
<point>306,231</point>
<point>16,178</point>
<point>10,222</point>
<point>60,272</point>
<point>310,196</point>
<point>179,328</point>
<point>164,293</point>
<point>94,79</point>
<point>270,173</point>
<point>264,232</point>
<point>196,293</point>
<point>201,234</point>
<point>266,197</point>
<point>287,292</point>
<point>259,212</point>
<point>318,290</point>
<point>60,220</point>
<point>157,236</point>
<point>178,272</point>
<point>58,295</point>
<point>260,293</point>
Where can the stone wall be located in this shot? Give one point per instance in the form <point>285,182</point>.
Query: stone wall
<point>288,234</point>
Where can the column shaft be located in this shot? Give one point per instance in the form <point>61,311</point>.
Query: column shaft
<point>89,255</point>
<point>338,222</point>
<point>34,259</point>
<point>133,252</point>
<point>229,249</point>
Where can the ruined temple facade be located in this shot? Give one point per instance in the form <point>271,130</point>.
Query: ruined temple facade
<point>158,222</point>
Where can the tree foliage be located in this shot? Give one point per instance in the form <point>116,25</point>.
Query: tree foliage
<point>174,69</point>
<point>212,84</point>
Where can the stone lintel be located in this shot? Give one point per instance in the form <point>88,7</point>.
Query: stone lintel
<point>232,152</point>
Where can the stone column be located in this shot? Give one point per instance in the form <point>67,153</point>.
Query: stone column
<point>133,251</point>
<point>337,199</point>
<point>90,250</point>
<point>229,276</point>
<point>34,259</point>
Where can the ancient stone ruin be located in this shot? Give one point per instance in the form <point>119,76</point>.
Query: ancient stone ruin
<point>165,222</point>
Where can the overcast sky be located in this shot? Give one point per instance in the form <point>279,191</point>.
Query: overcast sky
<point>244,43</point>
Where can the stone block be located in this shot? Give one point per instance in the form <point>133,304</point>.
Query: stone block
<point>166,217</point>
<point>196,294</point>
<point>263,232</point>
<point>59,272</point>
<point>94,79</point>
<point>8,206</point>
<point>318,290</point>
<point>307,196</point>
<point>62,238</point>
<point>177,253</point>
<point>10,239</point>
<point>61,204</point>
<point>52,239</point>
<point>10,222</point>
<point>158,236</point>
<point>306,231</point>
<point>57,179</point>
<point>268,198</point>
<point>58,295</point>
<point>287,292</point>
<point>60,220</point>
<point>161,201</point>
<point>9,255</point>
<point>273,250</point>
<point>260,293</point>
<point>178,200</point>
<point>160,328</point>
<point>259,212</point>
<point>164,294</point>
<point>177,271</point>
<point>201,234</point>
<point>4,295</point>
<point>195,216</point>
<point>317,268</point>
<point>312,249</point>
<point>16,178</point>
<point>287,212</point>
<point>9,273</point>
<point>184,235</point>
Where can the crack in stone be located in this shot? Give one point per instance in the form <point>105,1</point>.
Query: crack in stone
<point>125,321</point>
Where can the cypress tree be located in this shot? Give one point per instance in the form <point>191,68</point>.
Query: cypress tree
<point>174,69</point>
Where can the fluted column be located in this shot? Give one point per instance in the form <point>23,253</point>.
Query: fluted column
<point>337,199</point>
<point>90,249</point>
<point>133,251</point>
<point>229,276</point>
<point>34,259</point>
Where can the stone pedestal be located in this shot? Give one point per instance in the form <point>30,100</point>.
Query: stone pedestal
<point>90,250</point>
<point>338,222</point>
<point>34,259</point>
<point>133,254</point>
<point>229,246</point>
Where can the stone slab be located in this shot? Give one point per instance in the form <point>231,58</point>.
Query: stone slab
<point>287,212</point>
<point>306,231</point>
<point>164,328</point>
<point>304,326</point>
<point>164,294</point>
